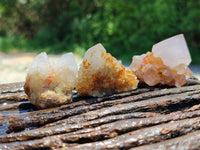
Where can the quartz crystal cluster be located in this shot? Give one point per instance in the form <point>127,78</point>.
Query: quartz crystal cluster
<point>101,74</point>
<point>51,84</point>
<point>166,64</point>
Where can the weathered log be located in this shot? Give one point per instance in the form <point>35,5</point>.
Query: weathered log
<point>122,140</point>
<point>193,108</point>
<point>124,125</point>
<point>12,87</point>
<point>66,127</point>
<point>189,141</point>
<point>148,116</point>
<point>10,106</point>
<point>192,81</point>
<point>144,136</point>
<point>118,106</point>
<point>8,97</point>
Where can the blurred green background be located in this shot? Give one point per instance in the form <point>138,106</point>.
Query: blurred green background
<point>124,27</point>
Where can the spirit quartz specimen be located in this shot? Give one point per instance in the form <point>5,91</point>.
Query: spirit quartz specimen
<point>101,74</point>
<point>50,85</point>
<point>166,64</point>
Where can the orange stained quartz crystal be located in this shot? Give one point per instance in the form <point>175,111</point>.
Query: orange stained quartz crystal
<point>101,74</point>
<point>153,70</point>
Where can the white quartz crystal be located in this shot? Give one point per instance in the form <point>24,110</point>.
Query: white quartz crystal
<point>173,51</point>
<point>66,71</point>
<point>51,84</point>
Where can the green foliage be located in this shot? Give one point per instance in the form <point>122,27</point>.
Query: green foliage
<point>124,27</point>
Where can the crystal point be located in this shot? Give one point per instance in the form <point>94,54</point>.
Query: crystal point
<point>173,51</point>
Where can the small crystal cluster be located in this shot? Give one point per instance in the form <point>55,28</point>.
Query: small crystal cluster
<point>166,64</point>
<point>101,74</point>
<point>50,85</point>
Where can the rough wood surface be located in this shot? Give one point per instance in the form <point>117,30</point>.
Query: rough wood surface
<point>189,141</point>
<point>147,118</point>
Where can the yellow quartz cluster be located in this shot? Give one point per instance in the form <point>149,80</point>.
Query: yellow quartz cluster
<point>101,74</point>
